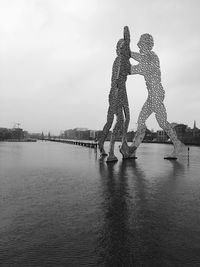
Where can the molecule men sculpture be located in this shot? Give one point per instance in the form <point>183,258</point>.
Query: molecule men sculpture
<point>118,101</point>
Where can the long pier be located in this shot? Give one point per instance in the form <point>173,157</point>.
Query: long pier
<point>73,142</point>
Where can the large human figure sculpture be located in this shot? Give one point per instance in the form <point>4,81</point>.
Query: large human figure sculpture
<point>118,101</point>
<point>149,67</point>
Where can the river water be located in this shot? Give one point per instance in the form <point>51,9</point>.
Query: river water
<point>62,206</point>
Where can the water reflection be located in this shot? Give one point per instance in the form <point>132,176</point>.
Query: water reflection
<point>92,153</point>
<point>151,221</point>
<point>114,240</point>
<point>138,215</point>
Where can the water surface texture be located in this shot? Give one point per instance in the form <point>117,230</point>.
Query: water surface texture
<point>62,206</point>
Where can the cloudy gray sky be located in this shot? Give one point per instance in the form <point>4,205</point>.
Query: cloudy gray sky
<point>56,59</point>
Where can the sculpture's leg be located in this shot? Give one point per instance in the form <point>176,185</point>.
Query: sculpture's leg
<point>161,116</point>
<point>106,128</point>
<point>127,120</point>
<point>124,149</point>
<point>111,156</point>
<point>141,129</point>
<point>118,126</point>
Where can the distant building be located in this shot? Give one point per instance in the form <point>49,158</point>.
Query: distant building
<point>83,134</point>
<point>5,134</point>
<point>26,134</point>
<point>92,135</point>
<point>188,135</point>
<point>34,135</point>
<point>14,133</point>
<point>98,135</point>
<point>149,135</point>
<point>181,131</point>
<point>161,136</point>
<point>184,133</point>
<point>79,134</point>
<point>130,135</point>
<point>69,134</point>
<point>17,133</point>
<point>195,130</point>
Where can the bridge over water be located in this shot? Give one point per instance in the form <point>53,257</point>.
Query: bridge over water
<point>90,144</point>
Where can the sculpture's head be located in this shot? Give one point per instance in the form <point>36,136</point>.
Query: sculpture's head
<point>145,43</point>
<point>120,45</point>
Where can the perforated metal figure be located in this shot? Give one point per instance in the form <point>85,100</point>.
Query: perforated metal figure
<point>118,101</point>
<point>149,67</point>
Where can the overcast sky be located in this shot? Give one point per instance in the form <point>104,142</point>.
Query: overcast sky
<point>56,60</point>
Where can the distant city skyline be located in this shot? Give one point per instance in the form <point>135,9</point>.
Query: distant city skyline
<point>56,60</point>
<point>194,125</point>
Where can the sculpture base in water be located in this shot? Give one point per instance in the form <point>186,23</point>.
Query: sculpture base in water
<point>170,158</point>
<point>179,148</point>
<point>127,152</point>
<point>104,154</point>
<point>129,157</point>
<point>102,151</point>
<point>111,159</point>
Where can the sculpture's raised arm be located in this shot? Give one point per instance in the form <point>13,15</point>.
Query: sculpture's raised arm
<point>127,34</point>
<point>127,39</point>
